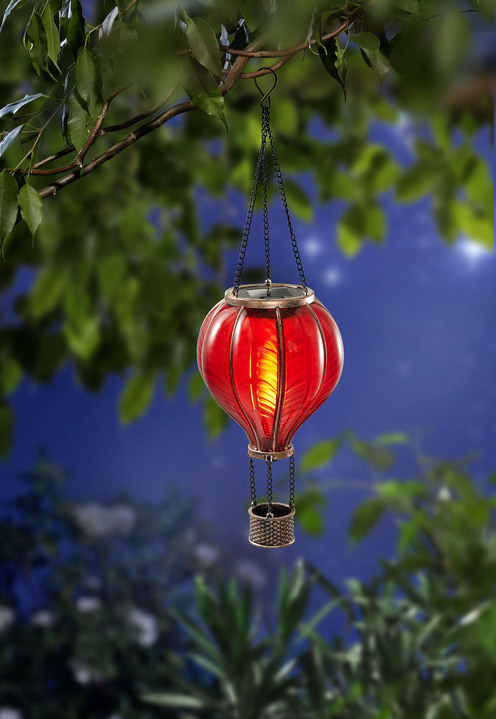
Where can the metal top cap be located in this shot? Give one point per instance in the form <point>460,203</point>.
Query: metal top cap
<point>281,295</point>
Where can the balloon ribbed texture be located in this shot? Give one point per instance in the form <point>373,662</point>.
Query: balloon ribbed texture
<point>270,369</point>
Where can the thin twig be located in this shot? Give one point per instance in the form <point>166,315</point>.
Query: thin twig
<point>137,118</point>
<point>78,160</point>
<point>288,51</point>
<point>229,80</point>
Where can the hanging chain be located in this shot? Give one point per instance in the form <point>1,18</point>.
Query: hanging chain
<point>291,481</point>
<point>253,490</point>
<point>261,169</point>
<point>282,191</point>
<point>265,132</point>
<point>269,487</point>
<point>249,217</point>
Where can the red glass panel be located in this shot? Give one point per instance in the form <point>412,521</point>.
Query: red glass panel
<point>270,369</point>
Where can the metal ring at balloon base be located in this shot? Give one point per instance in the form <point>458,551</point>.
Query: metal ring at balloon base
<point>271,531</point>
<point>268,455</point>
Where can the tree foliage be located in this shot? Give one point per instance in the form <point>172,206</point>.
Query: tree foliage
<point>115,610</point>
<point>139,97</point>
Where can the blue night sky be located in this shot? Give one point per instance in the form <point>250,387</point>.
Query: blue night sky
<point>417,320</point>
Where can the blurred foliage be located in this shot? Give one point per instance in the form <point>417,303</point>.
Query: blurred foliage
<point>416,641</point>
<point>86,593</point>
<point>98,618</point>
<point>122,268</point>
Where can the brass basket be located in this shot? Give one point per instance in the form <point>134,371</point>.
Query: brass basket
<point>276,531</point>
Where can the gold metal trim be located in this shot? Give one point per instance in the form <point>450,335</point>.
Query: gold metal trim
<point>231,373</point>
<point>280,379</point>
<point>322,336</point>
<point>268,302</point>
<point>274,456</point>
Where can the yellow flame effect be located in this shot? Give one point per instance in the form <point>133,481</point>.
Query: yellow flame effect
<point>265,376</point>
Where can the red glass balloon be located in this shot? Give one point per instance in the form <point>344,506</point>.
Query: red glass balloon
<point>270,361</point>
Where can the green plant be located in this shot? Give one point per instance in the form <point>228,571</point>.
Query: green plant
<point>121,271</point>
<point>418,640</point>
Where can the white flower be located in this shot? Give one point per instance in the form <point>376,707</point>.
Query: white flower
<point>88,604</point>
<point>250,573</point>
<point>123,519</point>
<point>10,713</point>
<point>146,626</point>
<point>206,555</point>
<point>97,521</point>
<point>444,495</point>
<point>7,617</point>
<point>83,673</point>
<point>43,618</point>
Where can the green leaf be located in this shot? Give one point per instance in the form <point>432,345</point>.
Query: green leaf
<point>410,6</point>
<point>371,50</point>
<point>320,454</point>
<point>350,231</point>
<point>52,35</point>
<point>39,48</point>
<point>169,699</point>
<point>11,7</point>
<point>214,417</point>
<point>13,107</point>
<point>375,222</point>
<point>136,396</point>
<point>203,90</point>
<point>6,429</point>
<point>379,457</point>
<point>332,58</point>
<point>392,438</point>
<point>415,182</point>
<point>8,205</point>
<point>476,226</point>
<point>365,518</point>
<point>31,206</point>
<point>46,291</point>
<point>311,520</point>
<point>196,387</point>
<point>394,490</point>
<point>77,123</point>
<point>203,44</point>
<point>9,138</point>
<point>403,54</point>
<point>75,28</point>
<point>88,79</point>
<point>83,335</point>
<point>10,376</point>
<point>298,200</point>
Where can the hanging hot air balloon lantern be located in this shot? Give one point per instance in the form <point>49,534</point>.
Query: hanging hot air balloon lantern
<point>270,355</point>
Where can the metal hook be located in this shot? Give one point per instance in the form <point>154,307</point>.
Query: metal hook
<point>266,95</point>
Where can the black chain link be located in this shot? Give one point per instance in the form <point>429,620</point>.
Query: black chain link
<point>261,169</point>
<point>253,490</point>
<point>269,486</point>
<point>282,191</point>
<point>265,131</point>
<point>291,481</point>
<point>249,217</point>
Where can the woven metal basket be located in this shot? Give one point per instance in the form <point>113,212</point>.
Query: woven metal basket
<point>276,531</point>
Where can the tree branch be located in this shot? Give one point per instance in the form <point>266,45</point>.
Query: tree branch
<point>233,75</point>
